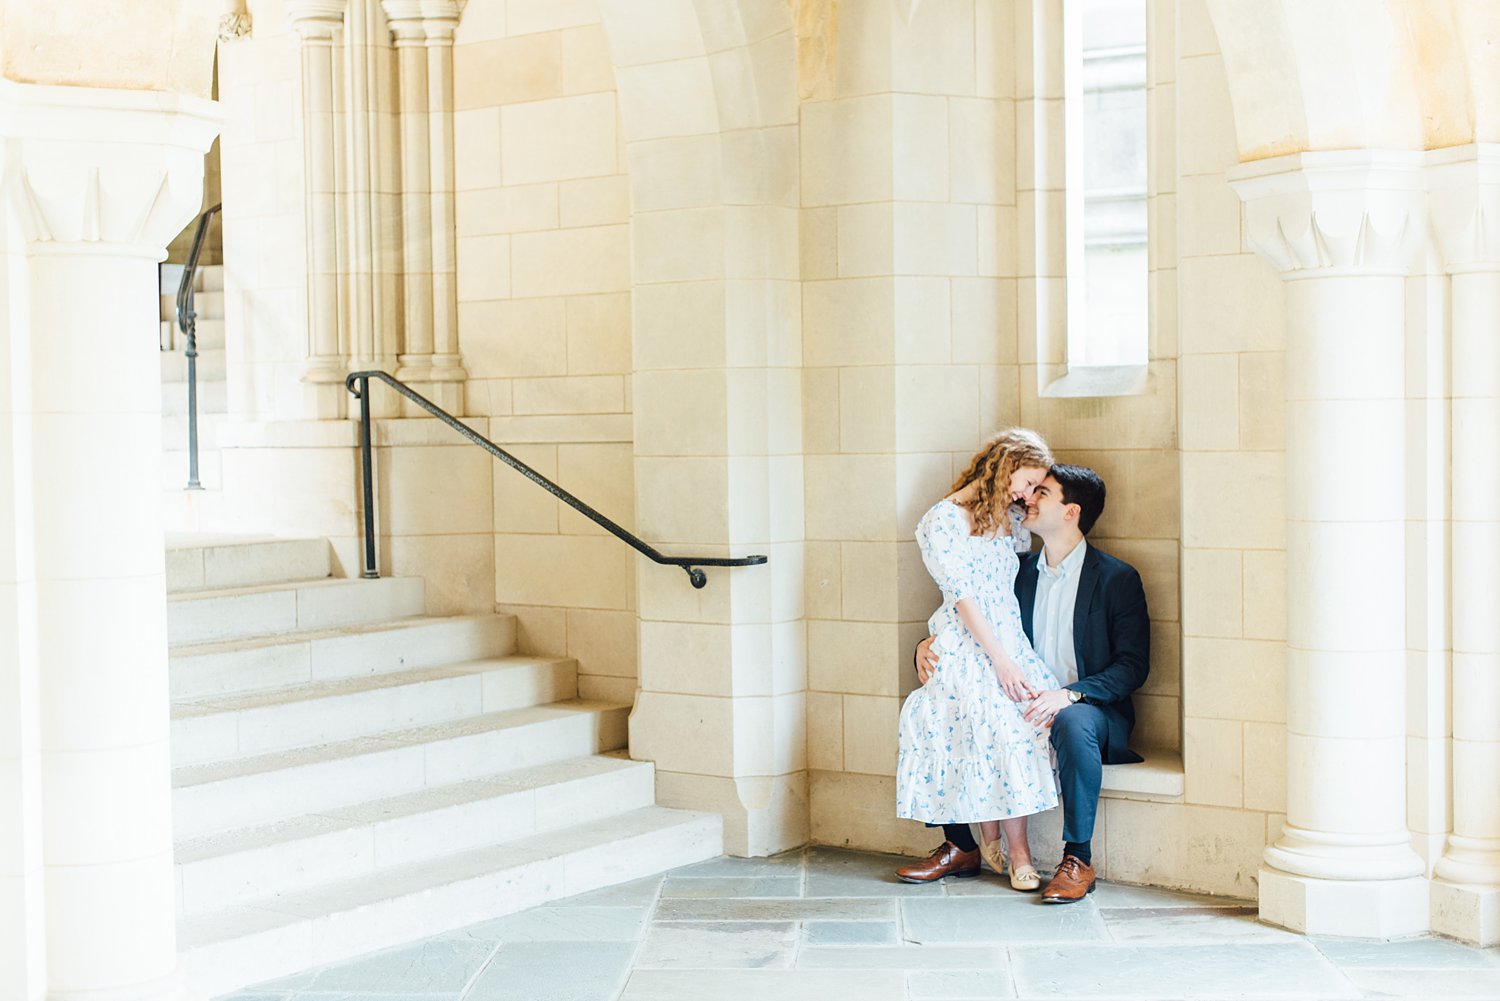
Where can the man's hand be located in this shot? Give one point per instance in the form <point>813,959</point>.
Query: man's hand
<point>1045,707</point>
<point>926,660</point>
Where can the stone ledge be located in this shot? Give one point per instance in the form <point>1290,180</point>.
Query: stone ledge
<point>1158,777</point>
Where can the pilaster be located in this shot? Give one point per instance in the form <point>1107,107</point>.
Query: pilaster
<point>319,25</point>
<point>1343,229</point>
<point>1465,212</point>
<point>423,32</point>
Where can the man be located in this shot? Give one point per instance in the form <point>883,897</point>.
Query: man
<point>1085,614</point>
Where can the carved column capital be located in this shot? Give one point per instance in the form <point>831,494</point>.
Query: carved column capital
<point>1464,205</point>
<point>316,19</point>
<point>441,19</point>
<point>1339,212</point>
<point>122,169</point>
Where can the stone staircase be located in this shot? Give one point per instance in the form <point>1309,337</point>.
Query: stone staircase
<point>350,773</point>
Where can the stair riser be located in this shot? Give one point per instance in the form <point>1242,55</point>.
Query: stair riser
<point>208,331</point>
<point>299,662</point>
<point>293,866</point>
<point>251,800</point>
<point>248,732</point>
<point>247,564</point>
<point>240,616</point>
<point>229,965</point>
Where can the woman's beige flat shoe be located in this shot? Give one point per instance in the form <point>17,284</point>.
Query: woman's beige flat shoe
<point>1025,878</point>
<point>992,853</point>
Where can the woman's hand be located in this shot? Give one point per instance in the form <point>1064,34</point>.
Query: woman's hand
<point>1012,682</point>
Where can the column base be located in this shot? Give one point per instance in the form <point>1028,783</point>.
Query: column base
<point>763,815</point>
<point>170,988</point>
<point>1467,912</point>
<point>1386,908</point>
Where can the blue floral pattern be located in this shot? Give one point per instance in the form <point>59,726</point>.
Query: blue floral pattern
<point>966,752</point>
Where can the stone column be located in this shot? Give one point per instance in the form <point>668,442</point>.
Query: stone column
<point>447,374</point>
<point>423,30</point>
<point>320,23</point>
<point>1342,228</point>
<point>1466,221</point>
<point>97,183</point>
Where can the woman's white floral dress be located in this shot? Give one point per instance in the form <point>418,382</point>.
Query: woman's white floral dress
<point>967,753</point>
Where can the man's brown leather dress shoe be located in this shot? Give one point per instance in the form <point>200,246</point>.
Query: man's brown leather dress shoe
<point>1074,881</point>
<point>946,860</point>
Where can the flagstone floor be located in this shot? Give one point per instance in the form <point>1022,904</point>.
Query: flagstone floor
<point>828,925</point>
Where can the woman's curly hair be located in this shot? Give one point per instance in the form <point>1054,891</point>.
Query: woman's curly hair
<point>992,468</point>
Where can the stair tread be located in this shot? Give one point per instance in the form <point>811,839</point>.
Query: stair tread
<point>332,688</point>
<point>410,804</point>
<point>309,583</point>
<point>192,775</point>
<point>312,635</point>
<point>395,882</point>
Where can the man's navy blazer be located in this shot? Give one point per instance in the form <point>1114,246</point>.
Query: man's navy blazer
<point>1111,639</point>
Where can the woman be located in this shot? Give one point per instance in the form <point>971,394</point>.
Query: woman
<point>966,752</point>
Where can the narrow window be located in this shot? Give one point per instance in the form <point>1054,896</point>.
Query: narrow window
<point>1104,79</point>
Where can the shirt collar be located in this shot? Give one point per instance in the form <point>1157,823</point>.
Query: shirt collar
<point>1068,566</point>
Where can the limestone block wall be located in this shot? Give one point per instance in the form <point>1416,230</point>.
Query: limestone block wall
<point>544,289</point>
<point>264,225</point>
<point>910,357</point>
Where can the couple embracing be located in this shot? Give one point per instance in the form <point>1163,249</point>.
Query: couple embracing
<point>1026,678</point>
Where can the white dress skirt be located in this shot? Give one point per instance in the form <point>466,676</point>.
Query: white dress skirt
<point>966,752</point>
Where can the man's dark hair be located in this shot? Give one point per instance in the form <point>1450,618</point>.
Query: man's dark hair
<point>1081,486</point>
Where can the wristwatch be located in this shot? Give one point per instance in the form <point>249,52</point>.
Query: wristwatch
<point>1074,696</point>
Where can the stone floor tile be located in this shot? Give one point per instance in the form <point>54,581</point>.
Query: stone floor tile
<point>636,893</point>
<point>833,872</point>
<point>902,957</point>
<point>1166,925</point>
<point>971,985</point>
<point>787,863</point>
<point>1233,970</point>
<point>764,985</point>
<point>711,945</point>
<point>987,885</point>
<point>556,971</point>
<point>845,909</point>
<point>438,966</point>
<point>1409,954</point>
<point>565,924</point>
<point>1425,985</point>
<point>849,933</point>
<point>997,919</point>
<point>1124,895</point>
<point>733,886</point>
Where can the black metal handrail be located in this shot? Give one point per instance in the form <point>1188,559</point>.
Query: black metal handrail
<point>187,322</point>
<point>690,564</point>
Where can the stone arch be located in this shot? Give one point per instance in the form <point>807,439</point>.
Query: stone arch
<point>1410,74</point>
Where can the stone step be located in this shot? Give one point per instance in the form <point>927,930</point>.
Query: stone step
<point>240,726</point>
<point>208,669</point>
<point>195,562</point>
<point>247,792</point>
<point>244,866</point>
<point>211,366</point>
<point>238,946</point>
<point>213,397</point>
<point>217,615</point>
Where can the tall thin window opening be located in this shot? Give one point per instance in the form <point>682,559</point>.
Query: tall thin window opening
<point>1104,78</point>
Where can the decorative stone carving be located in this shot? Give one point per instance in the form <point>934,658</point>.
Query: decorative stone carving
<point>1356,210</point>
<point>234,25</point>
